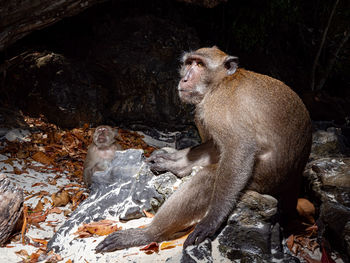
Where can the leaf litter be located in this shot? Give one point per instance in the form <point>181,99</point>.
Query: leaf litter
<point>53,160</point>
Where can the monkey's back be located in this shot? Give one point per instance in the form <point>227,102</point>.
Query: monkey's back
<point>263,110</point>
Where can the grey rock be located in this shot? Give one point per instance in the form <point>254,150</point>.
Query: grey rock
<point>328,143</point>
<point>200,253</point>
<point>251,235</point>
<point>123,191</point>
<point>248,229</point>
<point>329,185</point>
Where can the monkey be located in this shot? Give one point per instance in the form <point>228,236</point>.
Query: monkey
<point>100,152</point>
<point>256,135</point>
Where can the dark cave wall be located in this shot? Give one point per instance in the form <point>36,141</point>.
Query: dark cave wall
<point>117,62</point>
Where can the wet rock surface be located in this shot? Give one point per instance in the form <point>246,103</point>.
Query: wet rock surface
<point>329,186</point>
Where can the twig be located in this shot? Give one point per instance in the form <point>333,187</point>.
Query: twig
<point>324,36</point>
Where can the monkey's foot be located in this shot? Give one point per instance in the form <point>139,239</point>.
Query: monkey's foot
<point>200,233</point>
<point>123,239</point>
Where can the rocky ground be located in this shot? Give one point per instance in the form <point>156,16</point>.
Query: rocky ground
<point>46,162</point>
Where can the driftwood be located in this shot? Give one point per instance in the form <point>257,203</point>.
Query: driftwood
<point>18,18</point>
<point>11,206</point>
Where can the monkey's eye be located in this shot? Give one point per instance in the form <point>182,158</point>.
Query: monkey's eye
<point>188,62</point>
<point>200,64</point>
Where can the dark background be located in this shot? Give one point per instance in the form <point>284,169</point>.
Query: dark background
<point>279,38</point>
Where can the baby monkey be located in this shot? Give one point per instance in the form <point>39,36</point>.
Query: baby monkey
<point>100,152</point>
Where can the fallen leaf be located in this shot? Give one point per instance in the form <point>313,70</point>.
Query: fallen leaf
<point>36,218</point>
<point>77,199</point>
<point>290,242</point>
<point>22,252</point>
<point>60,199</point>
<point>42,158</point>
<point>25,221</point>
<point>151,248</point>
<point>148,214</point>
<point>41,241</point>
<point>167,245</point>
<point>55,210</point>
<point>52,181</point>
<point>39,184</point>
<point>39,207</point>
<point>101,228</point>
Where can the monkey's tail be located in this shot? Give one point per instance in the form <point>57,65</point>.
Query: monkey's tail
<point>124,239</point>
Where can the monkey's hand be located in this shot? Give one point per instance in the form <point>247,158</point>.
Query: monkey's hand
<point>170,160</point>
<point>205,228</point>
<point>123,239</point>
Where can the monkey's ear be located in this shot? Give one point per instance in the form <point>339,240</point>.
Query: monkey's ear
<point>231,64</point>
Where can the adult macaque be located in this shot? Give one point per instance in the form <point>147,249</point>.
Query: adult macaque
<point>100,152</point>
<point>257,135</point>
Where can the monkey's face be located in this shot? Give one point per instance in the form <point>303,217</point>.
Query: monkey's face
<point>202,70</point>
<point>103,136</point>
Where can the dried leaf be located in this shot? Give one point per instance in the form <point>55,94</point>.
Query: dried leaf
<point>42,158</point>
<point>148,214</point>
<point>55,210</point>
<point>101,228</point>
<point>39,207</point>
<point>151,248</point>
<point>52,181</point>
<point>22,252</point>
<point>167,245</point>
<point>290,242</point>
<point>60,198</point>
<point>39,184</point>
<point>36,218</point>
<point>41,241</point>
<point>25,221</point>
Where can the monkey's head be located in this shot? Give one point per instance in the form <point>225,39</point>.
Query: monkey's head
<point>104,136</point>
<point>203,69</point>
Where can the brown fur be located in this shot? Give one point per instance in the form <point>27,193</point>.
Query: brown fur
<point>257,136</point>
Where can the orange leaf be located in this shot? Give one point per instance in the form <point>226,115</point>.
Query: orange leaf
<point>167,245</point>
<point>39,240</point>
<point>42,158</point>
<point>39,207</point>
<point>39,184</point>
<point>25,221</point>
<point>101,228</point>
<point>290,242</point>
<point>22,252</point>
<point>37,217</point>
<point>148,214</point>
<point>151,248</point>
<point>55,210</point>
